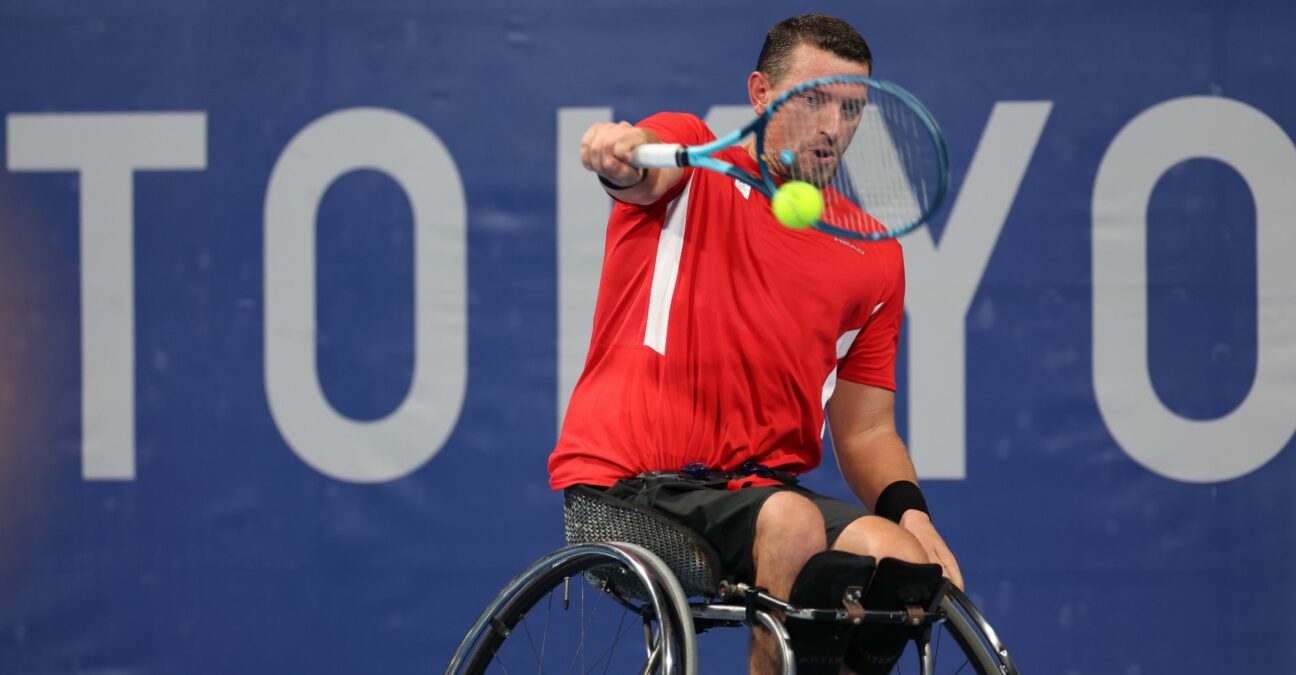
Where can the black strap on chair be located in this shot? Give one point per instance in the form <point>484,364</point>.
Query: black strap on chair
<point>897,585</point>
<point>830,579</point>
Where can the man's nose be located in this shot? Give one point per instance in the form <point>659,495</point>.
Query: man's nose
<point>830,121</point>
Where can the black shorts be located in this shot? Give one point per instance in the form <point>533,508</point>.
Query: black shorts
<point>727,518</point>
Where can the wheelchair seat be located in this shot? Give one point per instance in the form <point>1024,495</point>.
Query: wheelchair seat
<point>590,516</point>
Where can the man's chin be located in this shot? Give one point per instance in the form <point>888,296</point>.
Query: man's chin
<point>819,179</point>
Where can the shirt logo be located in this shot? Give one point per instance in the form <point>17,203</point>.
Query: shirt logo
<point>744,188</point>
<point>853,247</point>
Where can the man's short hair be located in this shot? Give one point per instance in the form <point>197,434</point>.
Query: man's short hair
<point>818,30</point>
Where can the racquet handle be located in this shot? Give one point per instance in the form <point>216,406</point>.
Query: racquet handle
<point>658,156</point>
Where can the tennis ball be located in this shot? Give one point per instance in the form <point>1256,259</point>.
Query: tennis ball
<point>797,204</point>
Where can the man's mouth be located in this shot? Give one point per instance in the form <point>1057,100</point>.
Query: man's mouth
<point>823,155</point>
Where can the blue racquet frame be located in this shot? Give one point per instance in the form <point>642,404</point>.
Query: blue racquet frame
<point>668,155</point>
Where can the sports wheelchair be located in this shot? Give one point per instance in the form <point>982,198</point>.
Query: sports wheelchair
<point>616,600</point>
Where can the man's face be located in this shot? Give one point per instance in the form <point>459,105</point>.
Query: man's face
<point>807,136</point>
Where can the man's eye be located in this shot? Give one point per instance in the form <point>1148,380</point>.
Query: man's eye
<point>811,100</point>
<point>852,109</point>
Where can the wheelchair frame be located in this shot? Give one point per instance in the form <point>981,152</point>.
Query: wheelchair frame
<point>639,580</point>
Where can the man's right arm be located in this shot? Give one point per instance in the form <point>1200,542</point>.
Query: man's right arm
<point>606,150</point>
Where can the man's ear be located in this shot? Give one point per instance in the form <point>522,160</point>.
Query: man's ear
<point>759,91</point>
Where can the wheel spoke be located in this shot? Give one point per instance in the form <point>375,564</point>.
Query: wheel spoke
<point>607,653</point>
<point>615,641</point>
<point>500,663</point>
<point>544,637</point>
<point>526,628</point>
<point>579,654</point>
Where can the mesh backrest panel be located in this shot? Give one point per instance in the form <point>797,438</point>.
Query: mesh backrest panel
<point>593,517</point>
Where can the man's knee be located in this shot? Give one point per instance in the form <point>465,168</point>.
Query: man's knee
<point>880,538</point>
<point>790,527</point>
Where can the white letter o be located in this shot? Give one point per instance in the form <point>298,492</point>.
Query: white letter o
<point>1258,149</point>
<point>401,147</point>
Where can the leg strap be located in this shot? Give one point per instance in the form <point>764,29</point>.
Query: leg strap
<point>829,580</point>
<point>897,585</point>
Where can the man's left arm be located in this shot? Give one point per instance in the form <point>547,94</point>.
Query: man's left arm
<point>872,457</point>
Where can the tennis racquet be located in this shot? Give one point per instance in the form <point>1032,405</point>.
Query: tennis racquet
<point>871,147</point>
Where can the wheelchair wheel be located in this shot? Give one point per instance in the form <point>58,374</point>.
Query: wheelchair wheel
<point>963,643</point>
<point>590,608</point>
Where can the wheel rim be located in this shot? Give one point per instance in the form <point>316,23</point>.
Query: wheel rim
<point>570,620</point>
<point>956,646</point>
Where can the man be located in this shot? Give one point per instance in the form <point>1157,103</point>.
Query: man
<point>718,337</point>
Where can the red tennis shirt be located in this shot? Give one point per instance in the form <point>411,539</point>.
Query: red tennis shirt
<point>719,333</point>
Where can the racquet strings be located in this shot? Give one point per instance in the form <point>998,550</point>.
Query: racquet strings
<point>873,156</point>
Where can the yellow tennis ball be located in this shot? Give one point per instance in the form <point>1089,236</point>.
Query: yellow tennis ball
<point>797,204</point>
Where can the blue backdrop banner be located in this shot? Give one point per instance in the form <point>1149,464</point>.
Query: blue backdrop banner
<point>292,296</point>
